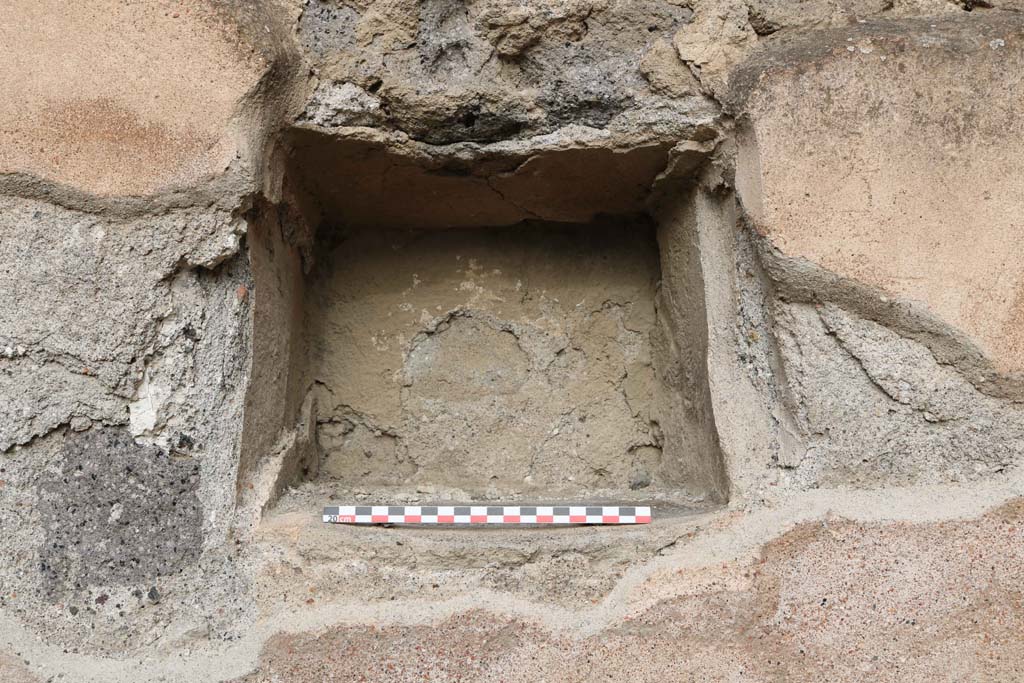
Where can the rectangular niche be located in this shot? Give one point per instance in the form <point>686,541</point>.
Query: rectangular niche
<point>535,361</point>
<point>419,332</point>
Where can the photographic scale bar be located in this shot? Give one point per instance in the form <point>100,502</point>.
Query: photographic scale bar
<point>486,514</point>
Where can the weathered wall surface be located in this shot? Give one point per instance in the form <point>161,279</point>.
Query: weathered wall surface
<point>857,165</point>
<point>890,281</point>
<point>836,601</point>
<point>512,361</point>
<point>117,99</point>
<point>133,135</point>
<point>769,250</point>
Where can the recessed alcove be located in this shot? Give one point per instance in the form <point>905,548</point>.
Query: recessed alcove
<point>532,359</point>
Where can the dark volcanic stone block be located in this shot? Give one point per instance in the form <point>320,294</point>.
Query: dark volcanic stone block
<point>116,513</point>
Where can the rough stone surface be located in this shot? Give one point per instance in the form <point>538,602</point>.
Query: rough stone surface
<point>117,514</point>
<point>900,417</point>
<point>870,183</point>
<point>376,566</point>
<point>91,300</point>
<point>15,670</point>
<point>754,261</point>
<point>491,70</point>
<point>833,600</point>
<point>127,108</point>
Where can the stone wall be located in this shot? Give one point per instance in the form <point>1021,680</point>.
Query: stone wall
<point>756,262</point>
